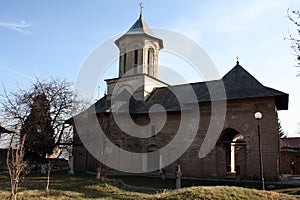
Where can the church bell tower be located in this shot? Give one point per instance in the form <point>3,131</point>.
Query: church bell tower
<point>138,61</point>
<point>139,49</point>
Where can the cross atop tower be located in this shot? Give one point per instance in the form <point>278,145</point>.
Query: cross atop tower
<point>237,60</point>
<point>141,8</point>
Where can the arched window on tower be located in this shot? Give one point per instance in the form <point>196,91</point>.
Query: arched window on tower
<point>136,54</point>
<point>150,62</point>
<point>124,63</point>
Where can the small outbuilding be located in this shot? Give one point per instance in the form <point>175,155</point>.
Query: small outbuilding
<point>290,155</point>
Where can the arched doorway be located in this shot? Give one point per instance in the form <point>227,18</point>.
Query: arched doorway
<point>152,159</point>
<point>234,145</point>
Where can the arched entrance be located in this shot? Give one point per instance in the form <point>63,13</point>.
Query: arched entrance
<point>234,146</point>
<point>152,159</point>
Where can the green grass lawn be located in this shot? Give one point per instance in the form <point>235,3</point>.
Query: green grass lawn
<point>83,186</point>
<point>158,183</point>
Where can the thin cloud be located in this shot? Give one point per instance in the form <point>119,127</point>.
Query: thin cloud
<point>234,18</point>
<point>267,42</point>
<point>243,17</point>
<point>17,73</point>
<point>259,8</point>
<point>21,26</point>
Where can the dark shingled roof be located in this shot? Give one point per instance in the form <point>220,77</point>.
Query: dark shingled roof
<point>141,27</point>
<point>103,105</point>
<point>238,83</point>
<point>290,143</point>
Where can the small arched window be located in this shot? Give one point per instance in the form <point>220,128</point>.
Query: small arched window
<point>150,61</point>
<point>124,63</point>
<point>136,54</point>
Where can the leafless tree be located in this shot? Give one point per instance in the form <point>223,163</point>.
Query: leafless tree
<point>16,165</point>
<point>49,166</point>
<point>16,107</point>
<point>294,17</point>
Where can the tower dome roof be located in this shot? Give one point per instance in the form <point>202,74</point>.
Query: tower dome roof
<point>140,26</point>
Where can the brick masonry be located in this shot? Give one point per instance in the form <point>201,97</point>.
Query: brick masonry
<point>239,120</point>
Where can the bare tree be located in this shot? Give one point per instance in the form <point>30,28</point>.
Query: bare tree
<point>294,17</point>
<point>16,107</point>
<point>16,164</point>
<point>49,166</point>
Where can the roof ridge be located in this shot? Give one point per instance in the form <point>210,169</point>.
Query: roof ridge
<point>141,26</point>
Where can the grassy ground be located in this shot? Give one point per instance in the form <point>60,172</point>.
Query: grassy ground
<point>158,183</point>
<point>84,186</point>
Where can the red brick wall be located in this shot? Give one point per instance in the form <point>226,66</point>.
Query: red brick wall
<point>240,117</point>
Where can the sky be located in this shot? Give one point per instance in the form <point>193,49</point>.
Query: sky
<point>53,38</point>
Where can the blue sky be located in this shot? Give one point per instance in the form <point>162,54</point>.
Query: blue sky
<point>53,38</point>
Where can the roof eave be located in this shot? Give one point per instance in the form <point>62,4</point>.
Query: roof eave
<point>282,102</point>
<point>160,41</point>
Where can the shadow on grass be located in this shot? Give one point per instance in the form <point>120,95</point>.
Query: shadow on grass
<point>81,186</point>
<point>126,187</point>
<point>158,183</point>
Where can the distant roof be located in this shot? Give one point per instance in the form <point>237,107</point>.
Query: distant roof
<point>290,143</point>
<point>238,83</point>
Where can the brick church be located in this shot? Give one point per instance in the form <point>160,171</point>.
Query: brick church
<point>138,89</point>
